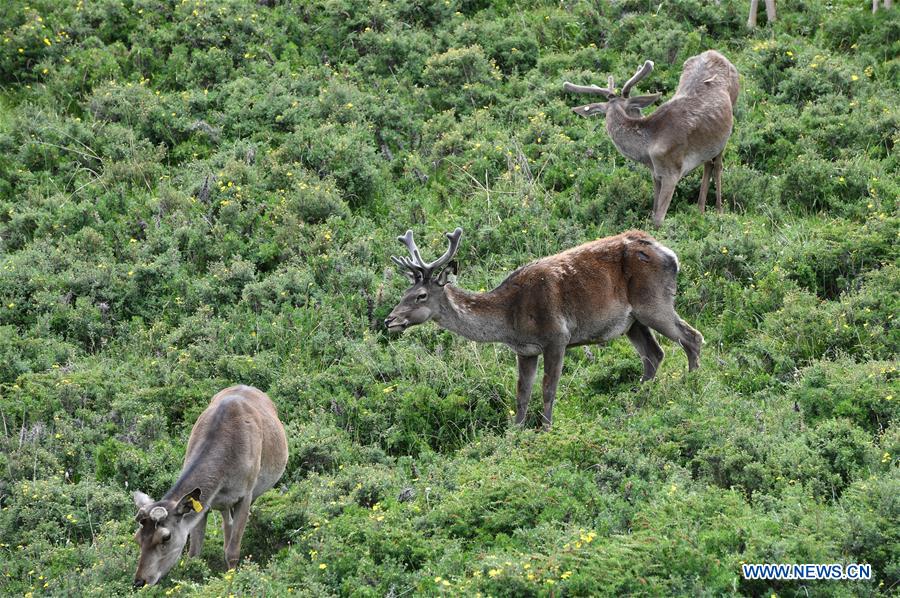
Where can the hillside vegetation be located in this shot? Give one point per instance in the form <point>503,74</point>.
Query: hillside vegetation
<point>198,193</point>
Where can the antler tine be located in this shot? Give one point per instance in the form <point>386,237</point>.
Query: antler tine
<point>416,265</point>
<point>453,246</point>
<point>612,86</point>
<point>410,243</point>
<point>640,74</point>
<point>406,263</point>
<point>589,89</point>
<point>399,261</point>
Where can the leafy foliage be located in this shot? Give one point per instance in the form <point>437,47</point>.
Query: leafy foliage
<point>196,193</point>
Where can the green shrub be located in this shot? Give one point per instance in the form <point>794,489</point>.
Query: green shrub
<point>460,78</point>
<point>198,194</point>
<point>344,153</point>
<point>845,452</point>
<point>858,392</point>
<point>835,256</point>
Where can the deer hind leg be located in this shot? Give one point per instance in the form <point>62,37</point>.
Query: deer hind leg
<point>666,189</point>
<point>704,185</point>
<point>527,371</point>
<point>553,361</point>
<point>646,346</point>
<point>717,170</point>
<point>197,535</point>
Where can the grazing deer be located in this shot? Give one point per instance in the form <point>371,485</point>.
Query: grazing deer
<point>690,129</point>
<point>589,294</point>
<point>237,451</point>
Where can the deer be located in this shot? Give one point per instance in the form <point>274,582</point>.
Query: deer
<point>236,451</point>
<point>589,294</point>
<point>770,12</point>
<point>690,129</point>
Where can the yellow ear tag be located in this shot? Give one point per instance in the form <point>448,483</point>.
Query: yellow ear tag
<point>196,504</point>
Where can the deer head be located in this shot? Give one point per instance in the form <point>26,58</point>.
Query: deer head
<point>423,299</point>
<point>631,106</point>
<point>163,532</point>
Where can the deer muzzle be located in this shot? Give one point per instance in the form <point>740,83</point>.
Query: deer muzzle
<point>396,324</point>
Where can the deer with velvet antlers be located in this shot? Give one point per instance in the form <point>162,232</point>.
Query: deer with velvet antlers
<point>589,294</point>
<point>690,129</point>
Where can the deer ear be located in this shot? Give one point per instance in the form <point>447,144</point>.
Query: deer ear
<point>591,109</point>
<point>141,500</point>
<point>189,503</point>
<point>444,277</point>
<point>641,102</point>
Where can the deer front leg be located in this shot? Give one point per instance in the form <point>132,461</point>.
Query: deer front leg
<point>666,189</point>
<point>197,536</point>
<point>553,361</point>
<point>704,185</point>
<point>655,193</point>
<point>527,371</point>
<point>241,513</point>
<point>751,19</point>
<point>648,349</point>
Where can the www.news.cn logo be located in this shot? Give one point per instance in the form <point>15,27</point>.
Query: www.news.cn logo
<point>807,571</point>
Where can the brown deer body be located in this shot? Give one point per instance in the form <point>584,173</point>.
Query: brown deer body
<point>690,129</point>
<point>588,294</point>
<point>237,451</point>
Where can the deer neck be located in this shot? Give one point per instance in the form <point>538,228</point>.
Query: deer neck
<point>475,316</point>
<point>196,473</point>
<point>628,134</point>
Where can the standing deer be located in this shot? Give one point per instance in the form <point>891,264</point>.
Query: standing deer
<point>690,129</point>
<point>770,12</point>
<point>589,294</point>
<point>237,451</point>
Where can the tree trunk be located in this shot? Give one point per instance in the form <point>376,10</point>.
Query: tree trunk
<point>754,6</point>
